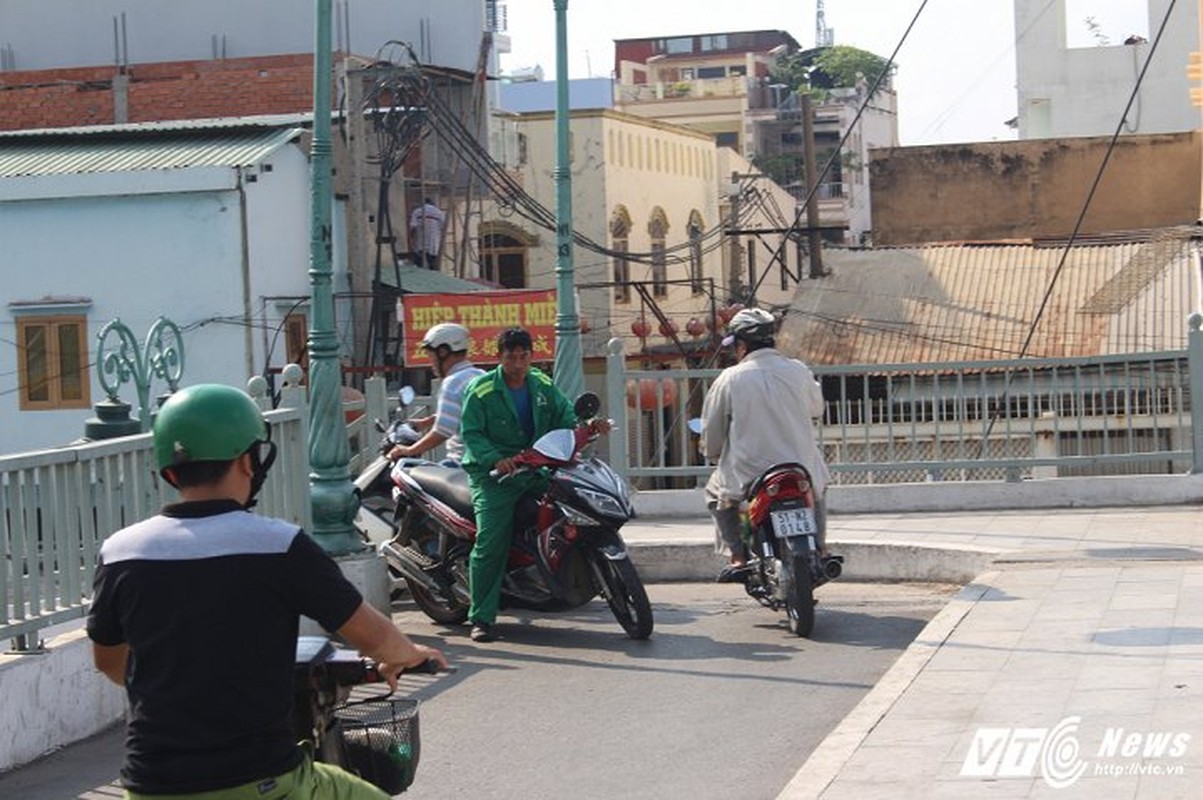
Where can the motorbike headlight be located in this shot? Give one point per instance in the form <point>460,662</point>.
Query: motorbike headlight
<point>602,503</point>
<point>576,517</point>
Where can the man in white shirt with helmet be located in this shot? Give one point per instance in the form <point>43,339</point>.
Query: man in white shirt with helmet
<point>758,413</point>
<point>447,344</point>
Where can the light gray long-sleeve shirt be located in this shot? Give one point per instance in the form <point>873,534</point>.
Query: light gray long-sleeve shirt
<point>759,413</point>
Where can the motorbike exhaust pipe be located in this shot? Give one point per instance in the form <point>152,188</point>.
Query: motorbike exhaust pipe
<point>832,568</point>
<point>409,570</point>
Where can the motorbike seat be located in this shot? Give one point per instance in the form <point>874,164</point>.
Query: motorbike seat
<point>448,484</point>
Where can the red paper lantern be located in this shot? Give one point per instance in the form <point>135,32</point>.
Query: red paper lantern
<point>641,328</point>
<point>668,328</point>
<point>645,394</point>
<point>730,310</point>
<point>695,327</point>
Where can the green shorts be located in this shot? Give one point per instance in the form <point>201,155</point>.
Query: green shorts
<point>309,781</point>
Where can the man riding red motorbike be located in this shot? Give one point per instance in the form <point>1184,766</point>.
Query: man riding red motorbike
<point>758,413</point>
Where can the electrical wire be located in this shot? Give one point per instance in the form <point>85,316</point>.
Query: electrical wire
<point>838,149</point>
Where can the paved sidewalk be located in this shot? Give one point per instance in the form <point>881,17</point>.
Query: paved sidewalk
<point>1072,666</point>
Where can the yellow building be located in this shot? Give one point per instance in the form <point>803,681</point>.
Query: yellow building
<point>654,207</point>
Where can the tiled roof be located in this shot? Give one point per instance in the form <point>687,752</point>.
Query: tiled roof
<point>978,302</point>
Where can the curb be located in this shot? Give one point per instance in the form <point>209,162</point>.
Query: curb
<point>829,758</point>
<point>1108,491</point>
<point>665,562</point>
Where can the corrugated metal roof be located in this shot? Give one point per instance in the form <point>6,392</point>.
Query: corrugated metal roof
<point>300,119</point>
<point>974,302</point>
<point>130,148</point>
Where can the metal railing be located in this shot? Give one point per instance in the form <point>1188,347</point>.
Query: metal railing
<point>987,420</point>
<point>57,506</point>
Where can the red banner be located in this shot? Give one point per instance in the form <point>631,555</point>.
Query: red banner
<point>485,315</point>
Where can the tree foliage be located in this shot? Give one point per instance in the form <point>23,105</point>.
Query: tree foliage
<point>815,71</point>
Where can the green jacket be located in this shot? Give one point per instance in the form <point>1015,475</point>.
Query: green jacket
<point>489,422</point>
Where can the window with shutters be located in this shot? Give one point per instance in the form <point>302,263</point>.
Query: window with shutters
<point>52,362</point>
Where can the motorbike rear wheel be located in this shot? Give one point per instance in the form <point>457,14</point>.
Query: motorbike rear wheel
<point>800,597</point>
<point>626,596</point>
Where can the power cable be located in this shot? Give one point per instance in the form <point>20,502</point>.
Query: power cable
<point>1098,177</point>
<point>835,153</point>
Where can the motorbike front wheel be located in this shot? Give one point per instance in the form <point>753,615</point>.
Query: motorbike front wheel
<point>800,597</point>
<point>625,595</point>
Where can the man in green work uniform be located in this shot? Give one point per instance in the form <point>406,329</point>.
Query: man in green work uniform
<point>504,412</point>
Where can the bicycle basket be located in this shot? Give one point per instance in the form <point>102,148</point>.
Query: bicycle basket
<point>380,741</point>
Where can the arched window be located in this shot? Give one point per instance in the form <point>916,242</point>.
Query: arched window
<point>504,253</point>
<point>620,233</point>
<point>657,229</point>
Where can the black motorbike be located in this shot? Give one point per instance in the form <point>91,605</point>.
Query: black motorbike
<point>377,492</point>
<point>376,738</point>
<point>566,548</point>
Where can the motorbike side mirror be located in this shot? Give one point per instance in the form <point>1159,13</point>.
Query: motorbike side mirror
<point>406,395</point>
<point>380,426</point>
<point>587,405</point>
<point>695,425</point>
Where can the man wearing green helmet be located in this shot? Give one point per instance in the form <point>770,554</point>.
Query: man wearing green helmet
<point>204,578</point>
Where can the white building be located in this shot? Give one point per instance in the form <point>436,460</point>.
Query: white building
<point>205,224</point>
<point>1082,91</point>
<point>48,34</point>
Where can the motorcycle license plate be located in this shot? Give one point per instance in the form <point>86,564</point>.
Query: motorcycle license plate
<point>791,522</point>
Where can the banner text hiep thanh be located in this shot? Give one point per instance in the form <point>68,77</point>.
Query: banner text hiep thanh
<point>485,315</point>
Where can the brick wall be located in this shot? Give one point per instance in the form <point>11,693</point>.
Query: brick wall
<point>164,91</point>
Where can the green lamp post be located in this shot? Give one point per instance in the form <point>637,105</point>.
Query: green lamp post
<point>569,374</point>
<point>332,494</point>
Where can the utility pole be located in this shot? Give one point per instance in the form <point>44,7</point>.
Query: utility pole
<point>569,373</point>
<point>735,275</point>
<point>812,192</point>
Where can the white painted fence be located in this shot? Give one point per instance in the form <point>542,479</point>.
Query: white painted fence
<point>57,506</point>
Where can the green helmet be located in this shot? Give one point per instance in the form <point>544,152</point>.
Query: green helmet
<point>207,422</point>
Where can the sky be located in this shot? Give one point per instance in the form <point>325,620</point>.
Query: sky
<point>955,72</point>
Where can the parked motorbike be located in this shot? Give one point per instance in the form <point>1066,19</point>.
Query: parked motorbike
<point>376,738</point>
<point>375,484</point>
<point>566,548</point>
<point>784,565</point>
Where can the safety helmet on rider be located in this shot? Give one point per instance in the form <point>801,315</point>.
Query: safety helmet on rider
<point>449,334</point>
<point>751,325</point>
<point>212,422</point>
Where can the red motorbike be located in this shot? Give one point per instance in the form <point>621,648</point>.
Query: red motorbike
<point>786,565</point>
<point>566,548</point>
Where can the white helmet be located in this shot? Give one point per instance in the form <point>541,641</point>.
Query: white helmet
<point>751,324</point>
<point>455,337</point>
